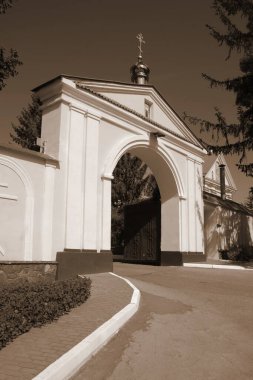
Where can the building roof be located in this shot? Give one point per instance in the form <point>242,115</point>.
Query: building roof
<point>226,203</point>
<point>209,161</point>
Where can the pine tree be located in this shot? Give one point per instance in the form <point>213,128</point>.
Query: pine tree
<point>131,182</point>
<point>237,138</point>
<point>8,60</point>
<point>29,128</point>
<point>5,4</point>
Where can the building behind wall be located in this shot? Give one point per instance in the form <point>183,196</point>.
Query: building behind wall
<point>228,225</point>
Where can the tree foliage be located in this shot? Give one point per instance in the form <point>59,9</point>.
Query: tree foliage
<point>131,182</point>
<point>9,60</point>
<point>8,64</point>
<point>5,4</point>
<point>29,127</point>
<point>236,138</point>
<point>249,201</point>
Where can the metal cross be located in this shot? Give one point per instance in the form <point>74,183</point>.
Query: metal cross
<point>141,41</point>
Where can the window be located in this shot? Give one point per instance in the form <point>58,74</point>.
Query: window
<point>147,109</point>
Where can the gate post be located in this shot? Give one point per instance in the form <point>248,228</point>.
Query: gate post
<point>82,181</point>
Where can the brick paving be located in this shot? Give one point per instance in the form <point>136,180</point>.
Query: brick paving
<point>33,351</point>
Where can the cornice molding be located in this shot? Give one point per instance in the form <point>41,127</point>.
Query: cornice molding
<point>145,90</point>
<point>77,109</point>
<point>93,116</point>
<point>63,92</point>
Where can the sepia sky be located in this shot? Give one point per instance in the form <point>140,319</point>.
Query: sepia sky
<point>97,39</point>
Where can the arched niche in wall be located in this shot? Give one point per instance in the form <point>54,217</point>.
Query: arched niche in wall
<point>16,217</point>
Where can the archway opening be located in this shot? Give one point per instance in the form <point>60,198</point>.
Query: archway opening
<point>165,191</point>
<point>136,211</point>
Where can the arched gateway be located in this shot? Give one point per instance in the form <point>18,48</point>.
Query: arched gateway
<point>87,125</point>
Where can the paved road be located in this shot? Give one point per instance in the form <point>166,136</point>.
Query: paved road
<point>193,324</point>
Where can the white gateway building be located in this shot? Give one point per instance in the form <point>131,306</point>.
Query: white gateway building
<point>58,203</point>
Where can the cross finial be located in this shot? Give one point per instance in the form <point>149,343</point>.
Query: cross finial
<point>141,41</point>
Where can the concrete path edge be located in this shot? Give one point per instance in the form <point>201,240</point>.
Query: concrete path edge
<point>70,362</point>
<point>215,266</point>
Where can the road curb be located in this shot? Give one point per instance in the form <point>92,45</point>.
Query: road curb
<point>70,362</point>
<point>215,266</point>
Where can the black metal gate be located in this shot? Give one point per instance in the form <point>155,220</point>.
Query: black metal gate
<point>142,231</point>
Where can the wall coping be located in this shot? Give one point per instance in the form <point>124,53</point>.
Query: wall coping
<point>24,152</point>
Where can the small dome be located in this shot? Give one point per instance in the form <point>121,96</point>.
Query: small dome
<point>140,72</point>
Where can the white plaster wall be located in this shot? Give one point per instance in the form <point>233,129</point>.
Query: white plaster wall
<point>112,135</point>
<point>137,103</point>
<point>162,118</point>
<point>62,115</point>
<point>236,229</point>
<point>51,129</point>
<point>195,206</point>
<point>26,176</point>
<point>133,101</point>
<point>13,207</point>
<point>212,243</point>
<point>36,172</point>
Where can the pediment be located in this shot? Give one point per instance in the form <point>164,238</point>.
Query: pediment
<point>135,98</point>
<point>213,172</point>
<point>132,98</point>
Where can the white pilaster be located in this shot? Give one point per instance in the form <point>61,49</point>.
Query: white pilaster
<point>75,180</point>
<point>106,212</point>
<point>90,205</point>
<point>183,223</point>
<point>199,208</point>
<point>195,207</point>
<point>47,216</point>
<point>192,238</point>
